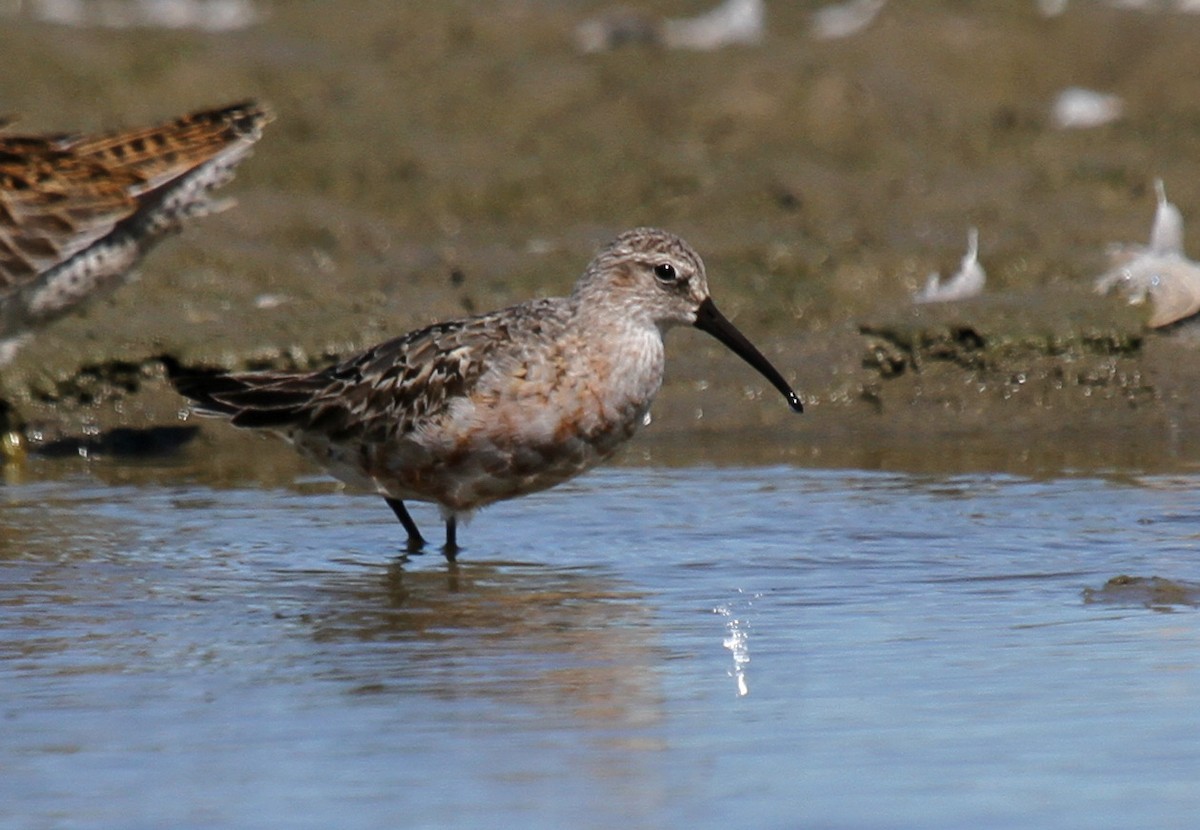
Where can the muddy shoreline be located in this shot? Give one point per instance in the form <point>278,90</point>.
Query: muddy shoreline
<point>428,163</point>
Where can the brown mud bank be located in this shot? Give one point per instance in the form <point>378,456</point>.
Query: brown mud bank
<point>431,160</point>
<point>1029,383</point>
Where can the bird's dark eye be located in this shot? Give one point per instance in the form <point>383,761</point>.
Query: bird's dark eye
<point>665,272</point>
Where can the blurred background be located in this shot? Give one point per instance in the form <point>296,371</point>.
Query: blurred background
<point>431,160</point>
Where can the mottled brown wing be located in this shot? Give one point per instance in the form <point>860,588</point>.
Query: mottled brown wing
<point>392,389</point>
<point>386,391</point>
<point>61,194</point>
<point>52,206</point>
<point>167,151</point>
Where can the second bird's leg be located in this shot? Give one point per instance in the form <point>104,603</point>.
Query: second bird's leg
<point>451,549</point>
<point>415,540</point>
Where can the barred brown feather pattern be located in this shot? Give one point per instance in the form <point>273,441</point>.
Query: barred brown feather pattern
<point>77,212</point>
<point>384,393</point>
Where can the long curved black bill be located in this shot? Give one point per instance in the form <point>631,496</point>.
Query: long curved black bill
<point>714,322</point>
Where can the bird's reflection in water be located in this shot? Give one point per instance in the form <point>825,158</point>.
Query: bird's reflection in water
<point>565,641</point>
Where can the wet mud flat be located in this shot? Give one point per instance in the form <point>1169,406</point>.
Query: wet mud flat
<point>432,162</point>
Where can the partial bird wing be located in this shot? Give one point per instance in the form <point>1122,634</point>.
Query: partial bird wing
<point>389,390</point>
<point>61,194</point>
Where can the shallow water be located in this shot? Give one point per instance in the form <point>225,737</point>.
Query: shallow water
<point>711,647</point>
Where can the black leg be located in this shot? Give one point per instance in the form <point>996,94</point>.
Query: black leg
<point>451,549</point>
<point>415,540</point>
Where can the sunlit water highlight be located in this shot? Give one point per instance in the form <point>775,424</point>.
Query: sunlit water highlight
<point>767,647</point>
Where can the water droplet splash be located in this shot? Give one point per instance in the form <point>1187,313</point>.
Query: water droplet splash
<point>738,642</point>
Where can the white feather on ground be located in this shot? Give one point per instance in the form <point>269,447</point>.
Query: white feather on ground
<point>1077,108</point>
<point>968,282</point>
<point>732,22</point>
<point>1159,271</point>
<point>844,19</point>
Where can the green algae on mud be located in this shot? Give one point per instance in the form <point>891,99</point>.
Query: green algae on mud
<point>1154,592</point>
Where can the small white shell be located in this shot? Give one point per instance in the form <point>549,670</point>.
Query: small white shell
<point>1174,292</point>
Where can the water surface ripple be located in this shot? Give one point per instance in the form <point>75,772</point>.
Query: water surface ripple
<point>704,647</point>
